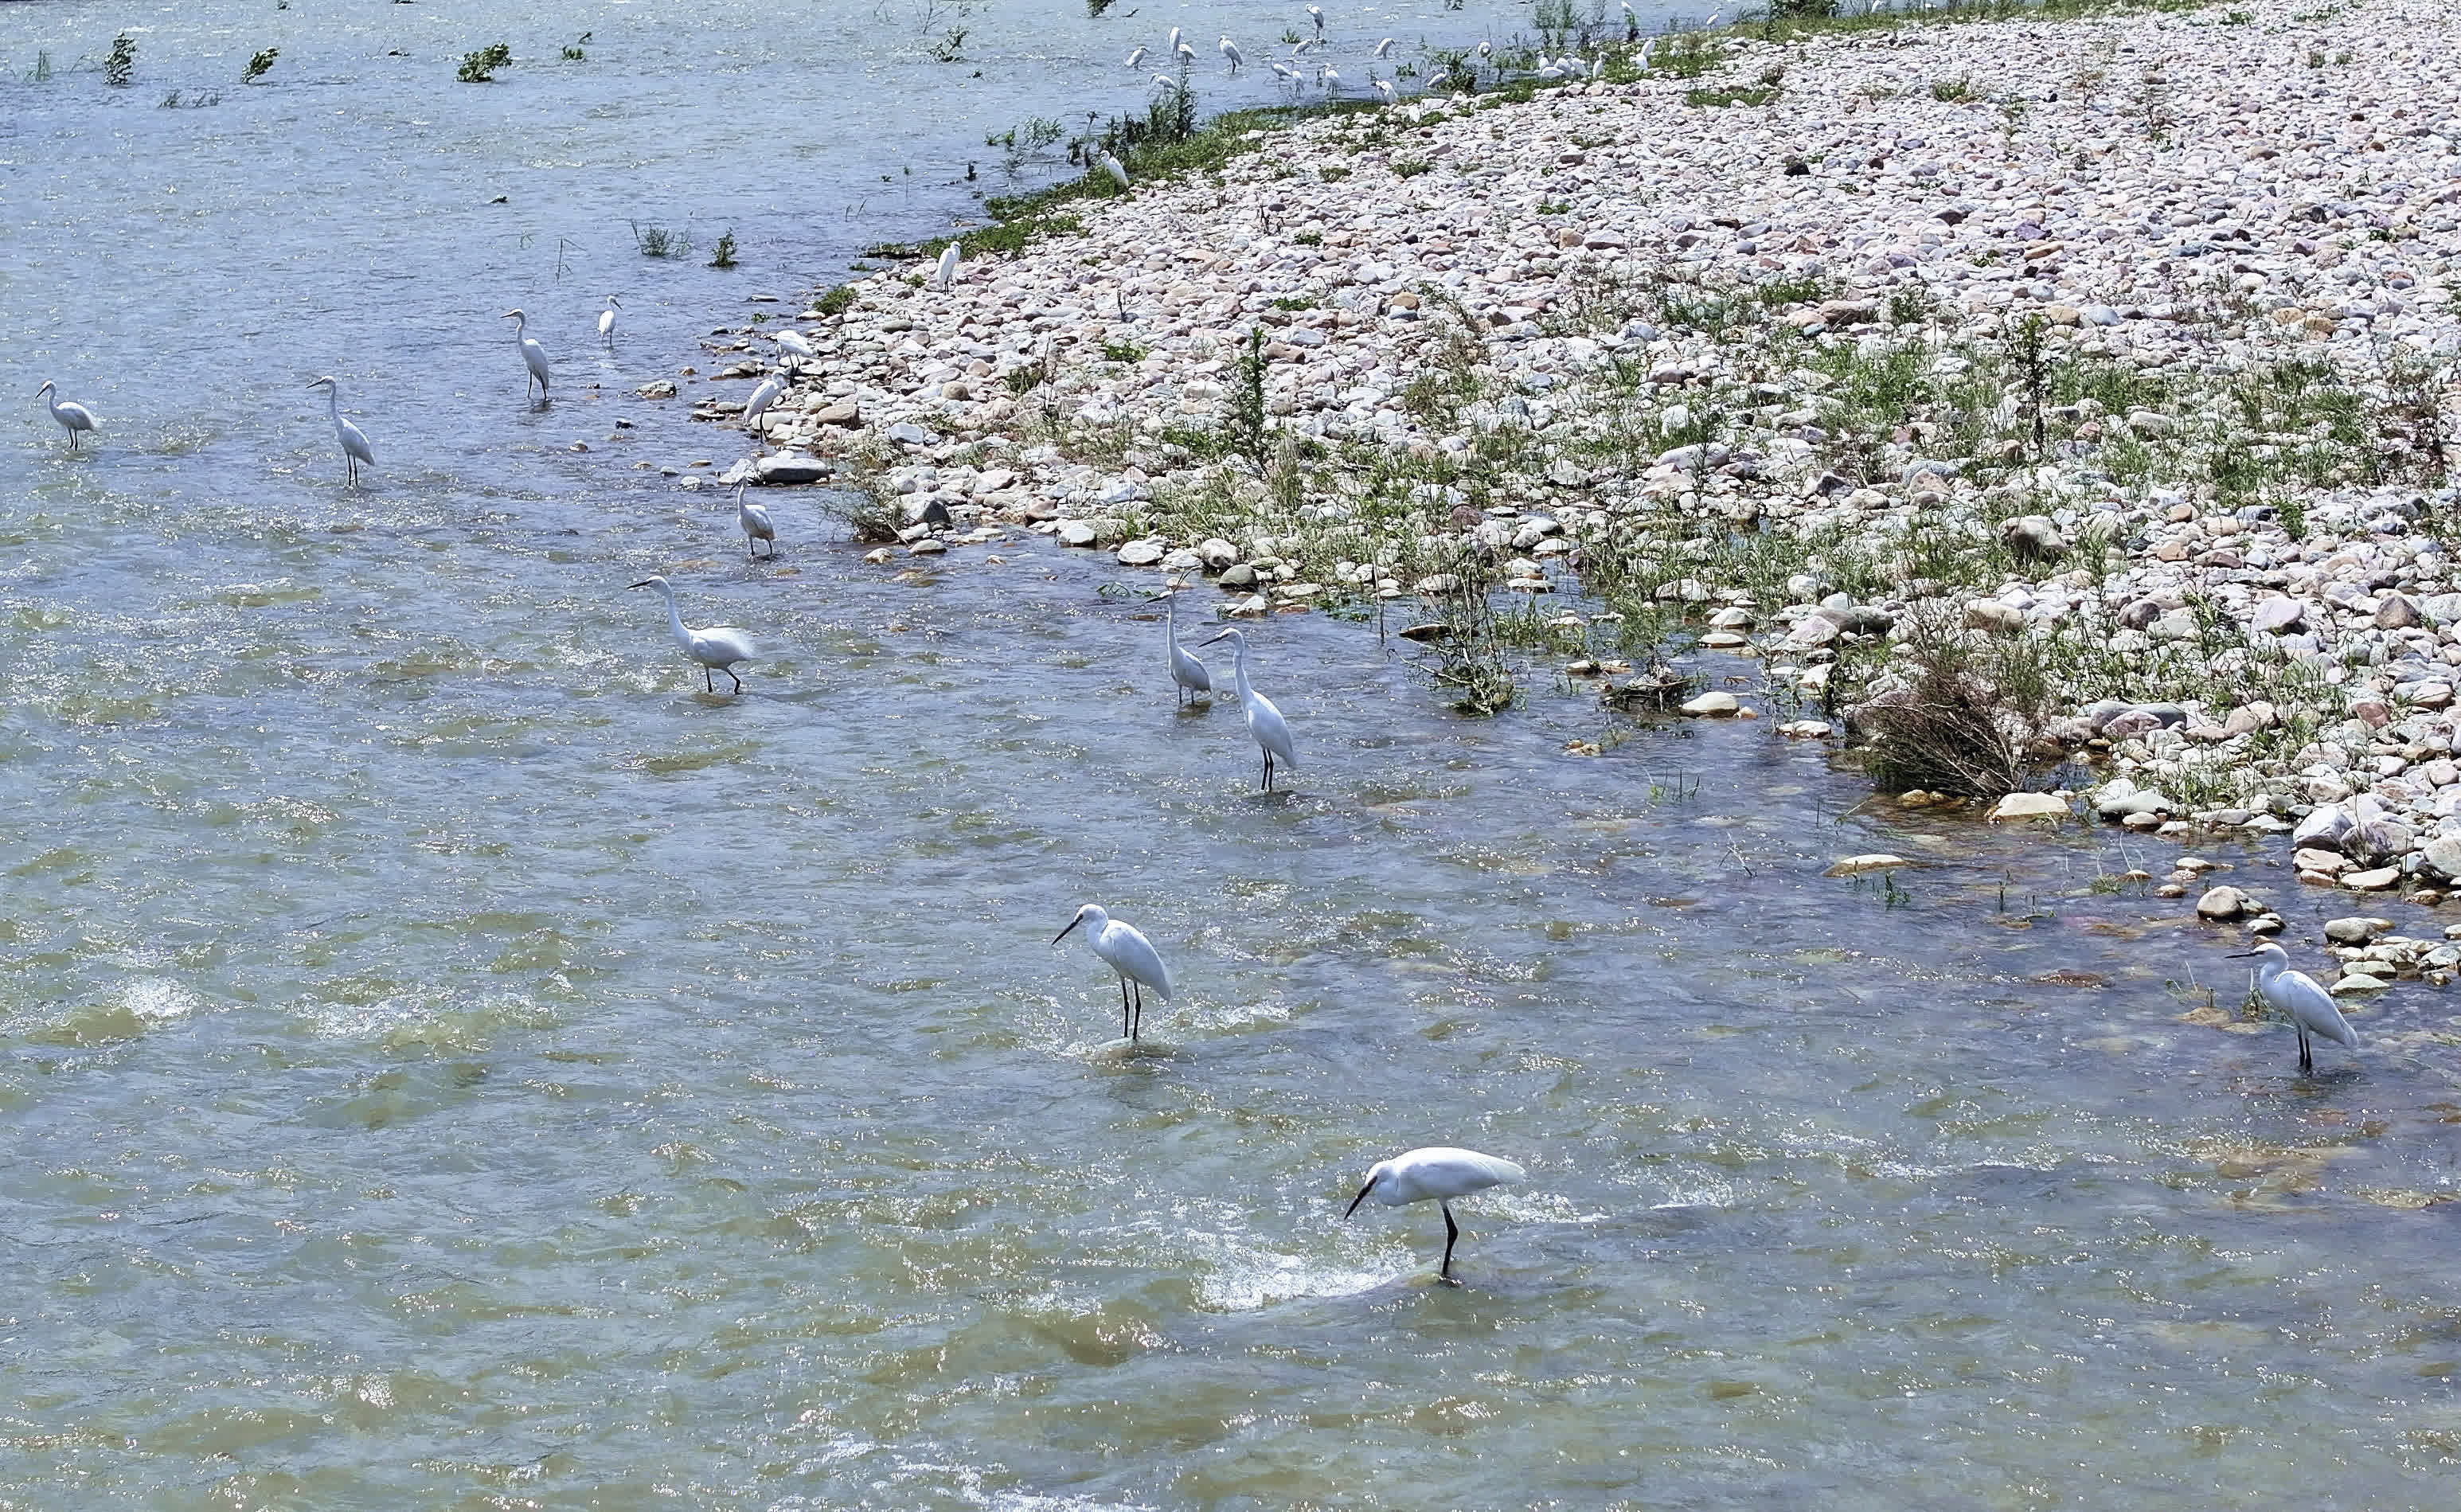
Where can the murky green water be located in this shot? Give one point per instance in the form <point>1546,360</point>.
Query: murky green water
<point>448,1061</point>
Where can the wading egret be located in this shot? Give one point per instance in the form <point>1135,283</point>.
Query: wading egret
<point>793,351</point>
<point>533,355</point>
<point>354,441</point>
<point>1230,51</point>
<point>1111,165</point>
<point>607,320</point>
<point>1129,953</point>
<point>1136,57</point>
<point>1306,47</point>
<point>76,416</point>
<point>1185,670</point>
<point>717,649</point>
<point>945,276</point>
<point>1440,1172</point>
<point>1264,720</point>
<point>1317,16</point>
<point>1185,53</point>
<point>754,521</point>
<point>1330,78</point>
<point>1165,81</point>
<point>2311,1009</point>
<point>1384,48</point>
<point>764,393</point>
<point>1283,73</point>
<point>1172,46</point>
<point>1385,87</point>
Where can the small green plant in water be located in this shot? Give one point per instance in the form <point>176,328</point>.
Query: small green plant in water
<point>572,51</point>
<point>722,255</point>
<point>121,66</point>
<point>259,65</point>
<point>952,46</point>
<point>656,241</point>
<point>480,67</point>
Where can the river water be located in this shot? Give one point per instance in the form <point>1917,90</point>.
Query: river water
<point>448,1061</point>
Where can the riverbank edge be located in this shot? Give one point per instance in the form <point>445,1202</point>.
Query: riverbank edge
<point>1208,518</point>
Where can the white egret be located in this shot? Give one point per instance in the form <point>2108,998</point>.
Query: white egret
<point>607,320</point>
<point>1111,165</point>
<point>1282,72</point>
<point>1124,950</point>
<point>354,441</point>
<point>754,521</point>
<point>1647,47</point>
<point>717,649</point>
<point>1186,53</point>
<point>1439,1172</point>
<point>1305,47</point>
<point>76,416</point>
<point>1136,57</point>
<point>1385,87</point>
<point>1185,670</point>
<point>1172,46</point>
<point>764,393</point>
<point>1264,721</point>
<point>945,276</point>
<point>1384,49</point>
<point>1317,16</point>
<point>1330,78</point>
<point>1230,51</point>
<point>1165,81</point>
<point>793,351</point>
<point>2311,1009</point>
<point>533,355</point>
<point>1486,53</point>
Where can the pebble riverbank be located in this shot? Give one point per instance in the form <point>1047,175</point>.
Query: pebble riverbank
<point>2145,317</point>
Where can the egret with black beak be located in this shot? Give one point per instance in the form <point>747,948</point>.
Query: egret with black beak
<point>1124,950</point>
<point>1265,722</point>
<point>2311,1009</point>
<point>1440,1172</point>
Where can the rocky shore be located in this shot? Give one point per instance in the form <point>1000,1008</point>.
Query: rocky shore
<point>2111,358</point>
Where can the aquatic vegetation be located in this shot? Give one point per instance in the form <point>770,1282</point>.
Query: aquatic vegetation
<point>258,64</point>
<point>480,67</point>
<point>119,69</point>
<point>722,255</point>
<point>656,241</point>
<point>574,51</point>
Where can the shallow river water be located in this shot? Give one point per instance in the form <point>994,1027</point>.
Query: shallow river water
<point>448,1061</point>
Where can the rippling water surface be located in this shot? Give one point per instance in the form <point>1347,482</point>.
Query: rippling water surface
<point>448,1061</point>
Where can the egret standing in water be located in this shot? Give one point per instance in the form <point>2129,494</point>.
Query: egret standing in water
<point>1385,87</point>
<point>533,355</point>
<point>764,393</point>
<point>1440,1172</point>
<point>1264,721</point>
<point>945,276</point>
<point>76,416</point>
<point>354,441</point>
<point>1185,670</point>
<point>753,520</point>
<point>1384,49</point>
<point>1172,45</point>
<point>607,320</point>
<point>1230,51</point>
<point>1317,16</point>
<point>2311,1009</point>
<point>1124,950</point>
<point>717,649</point>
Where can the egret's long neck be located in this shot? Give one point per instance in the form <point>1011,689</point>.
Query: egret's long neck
<point>334,402</point>
<point>1170,625</point>
<point>1239,671</point>
<point>675,621</point>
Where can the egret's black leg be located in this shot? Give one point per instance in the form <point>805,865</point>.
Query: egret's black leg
<point>1126,1025</point>
<point>2306,1055</point>
<point>1269,773</point>
<point>1137,1026</point>
<point>737,681</point>
<point>707,681</point>
<point>1452,1231</point>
